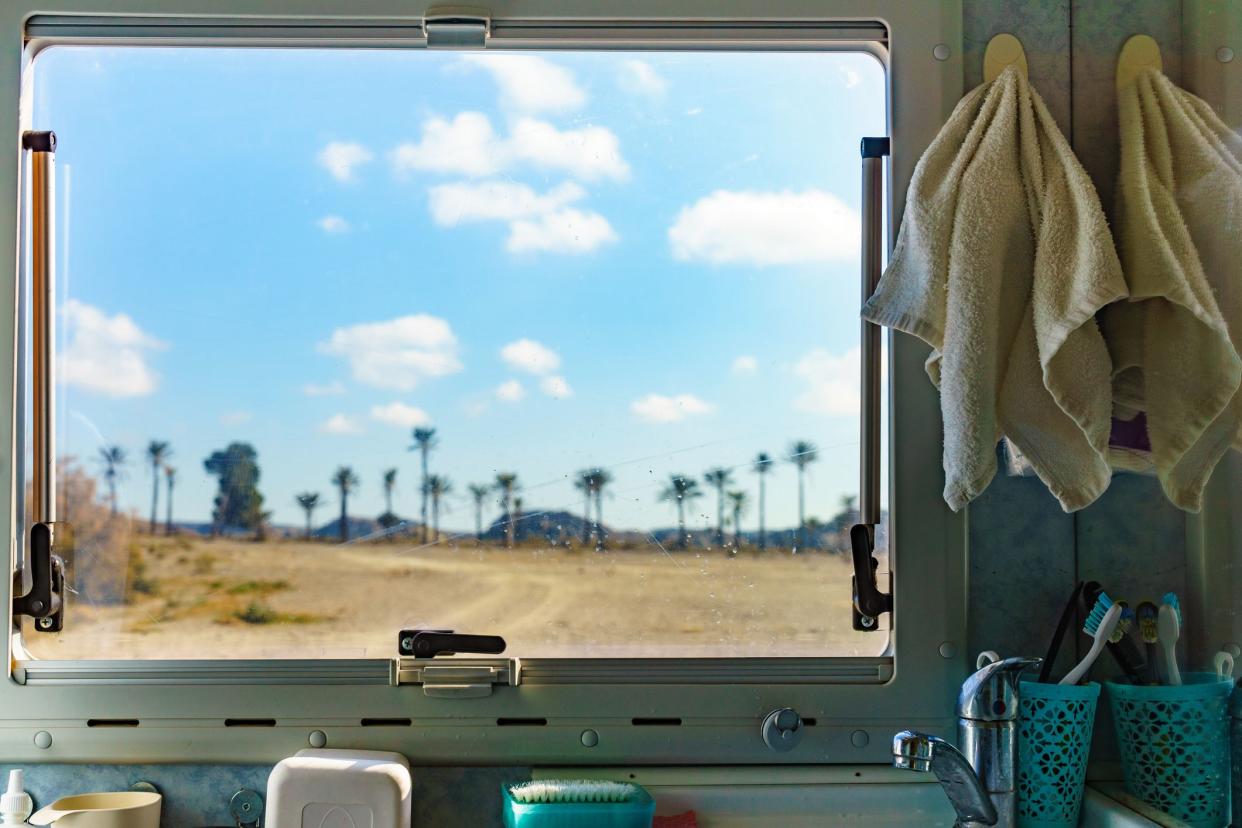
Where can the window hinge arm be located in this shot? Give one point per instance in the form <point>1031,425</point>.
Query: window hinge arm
<point>457,27</point>
<point>45,600</point>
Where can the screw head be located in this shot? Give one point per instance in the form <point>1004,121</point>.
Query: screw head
<point>589,738</point>
<point>43,740</point>
<point>317,739</point>
<point>44,623</point>
<point>1224,54</point>
<point>941,52</point>
<point>867,621</point>
<point>948,650</point>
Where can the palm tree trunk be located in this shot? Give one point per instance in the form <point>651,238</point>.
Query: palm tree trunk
<point>599,520</point>
<point>155,496</point>
<point>112,494</point>
<point>763,532</point>
<point>344,516</point>
<point>801,509</point>
<point>737,528</point>
<point>435,516</point>
<point>388,500</point>
<point>308,524</point>
<point>168,508</point>
<point>508,522</point>
<point>681,523</point>
<point>425,449</point>
<point>586,518</point>
<point>720,515</point>
<point>478,522</point>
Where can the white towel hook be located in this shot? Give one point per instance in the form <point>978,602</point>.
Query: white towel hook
<point>1139,53</point>
<point>1004,50</point>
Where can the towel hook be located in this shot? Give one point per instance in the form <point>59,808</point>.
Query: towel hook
<point>1004,50</point>
<point>1139,53</point>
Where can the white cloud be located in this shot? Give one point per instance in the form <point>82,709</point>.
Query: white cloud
<point>694,110</point>
<point>341,158</point>
<point>638,77</point>
<point>340,424</point>
<point>106,354</point>
<point>496,201</point>
<point>468,145</point>
<point>398,353</point>
<point>589,153</point>
<point>745,366</point>
<point>565,231</point>
<point>832,382</point>
<point>333,224</point>
<point>234,418</point>
<point>330,389</point>
<point>510,391</point>
<point>530,356</point>
<point>766,228</point>
<point>531,84</point>
<point>537,221</point>
<point>397,413</point>
<point>656,408</point>
<point>850,77</point>
<point>556,388</point>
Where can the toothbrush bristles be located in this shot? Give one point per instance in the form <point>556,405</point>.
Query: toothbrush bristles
<point>1147,621</point>
<point>1170,598</point>
<point>1102,605</point>
<point>1124,623</point>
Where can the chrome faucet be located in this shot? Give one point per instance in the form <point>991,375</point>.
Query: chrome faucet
<point>979,780</point>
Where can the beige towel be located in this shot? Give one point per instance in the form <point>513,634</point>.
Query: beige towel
<point>1175,344</point>
<point>1003,259</point>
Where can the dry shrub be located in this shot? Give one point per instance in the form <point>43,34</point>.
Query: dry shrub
<point>97,548</point>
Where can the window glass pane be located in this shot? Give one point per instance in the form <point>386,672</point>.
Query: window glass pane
<point>356,341</point>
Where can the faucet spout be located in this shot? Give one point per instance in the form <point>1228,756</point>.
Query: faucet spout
<point>923,753</point>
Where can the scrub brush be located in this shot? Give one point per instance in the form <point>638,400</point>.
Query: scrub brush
<point>1100,625</point>
<point>1169,628</point>
<point>1149,630</point>
<point>541,792</point>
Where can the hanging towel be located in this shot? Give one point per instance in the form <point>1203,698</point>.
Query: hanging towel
<point>1175,345</point>
<point>1003,259</point>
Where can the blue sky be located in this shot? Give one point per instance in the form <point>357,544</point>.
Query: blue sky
<point>559,260</point>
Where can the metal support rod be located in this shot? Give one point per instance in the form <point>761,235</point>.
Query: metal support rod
<point>873,152</point>
<point>42,146</point>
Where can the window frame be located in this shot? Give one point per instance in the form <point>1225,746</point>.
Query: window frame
<point>856,702</point>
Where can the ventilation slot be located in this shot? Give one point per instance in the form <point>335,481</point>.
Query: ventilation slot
<point>521,722</point>
<point>810,722</point>
<point>111,722</point>
<point>385,722</point>
<point>249,722</point>
<point>655,722</point>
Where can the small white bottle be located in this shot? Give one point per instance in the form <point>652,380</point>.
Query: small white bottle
<point>15,804</point>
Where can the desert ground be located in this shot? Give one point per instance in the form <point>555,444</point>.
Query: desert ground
<point>195,597</point>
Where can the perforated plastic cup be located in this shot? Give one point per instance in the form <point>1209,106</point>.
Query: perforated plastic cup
<point>1174,744</point>
<point>1055,723</point>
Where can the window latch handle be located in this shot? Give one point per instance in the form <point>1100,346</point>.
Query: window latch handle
<point>45,601</point>
<point>432,643</point>
<point>869,602</point>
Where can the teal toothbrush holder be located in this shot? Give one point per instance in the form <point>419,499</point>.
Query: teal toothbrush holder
<point>1174,744</point>
<point>1055,723</point>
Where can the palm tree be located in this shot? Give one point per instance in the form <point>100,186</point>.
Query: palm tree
<point>113,460</point>
<point>170,477</point>
<point>517,518</point>
<point>680,489</point>
<point>309,501</point>
<point>737,500</point>
<point>345,480</point>
<point>763,465</point>
<point>157,452</point>
<point>390,483</point>
<point>424,442</point>
<point>586,484</point>
<point>437,487</point>
<point>719,478</point>
<point>479,491</point>
<point>802,454</point>
<point>506,484</point>
<point>603,477</point>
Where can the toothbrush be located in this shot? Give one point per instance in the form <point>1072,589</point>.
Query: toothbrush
<point>1149,631</point>
<point>1100,624</point>
<point>1222,665</point>
<point>1127,656</point>
<point>1169,626</point>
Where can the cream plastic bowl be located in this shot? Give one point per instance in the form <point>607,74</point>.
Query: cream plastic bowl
<point>129,809</point>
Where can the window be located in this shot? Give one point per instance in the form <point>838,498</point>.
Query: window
<point>162,280</point>
<point>561,346</point>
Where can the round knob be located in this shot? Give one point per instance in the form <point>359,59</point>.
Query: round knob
<point>782,729</point>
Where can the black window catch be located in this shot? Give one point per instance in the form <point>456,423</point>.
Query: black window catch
<point>45,601</point>
<point>869,602</point>
<point>432,643</point>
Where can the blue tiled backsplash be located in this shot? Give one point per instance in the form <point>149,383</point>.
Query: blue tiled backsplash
<point>198,795</point>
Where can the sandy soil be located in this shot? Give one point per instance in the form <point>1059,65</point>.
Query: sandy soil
<point>199,598</point>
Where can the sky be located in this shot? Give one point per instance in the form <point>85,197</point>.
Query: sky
<point>641,261</point>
